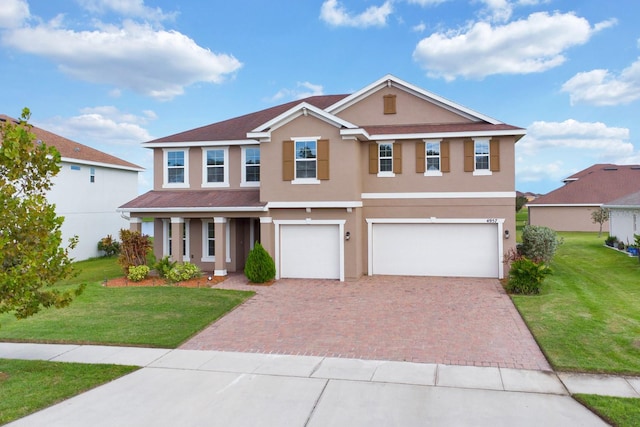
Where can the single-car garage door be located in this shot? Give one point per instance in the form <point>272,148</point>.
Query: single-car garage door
<point>435,249</point>
<point>310,251</point>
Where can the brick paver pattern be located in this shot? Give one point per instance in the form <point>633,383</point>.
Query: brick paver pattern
<point>456,321</point>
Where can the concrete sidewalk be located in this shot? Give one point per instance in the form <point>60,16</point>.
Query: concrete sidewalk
<point>194,388</point>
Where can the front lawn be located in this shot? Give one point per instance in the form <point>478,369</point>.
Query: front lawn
<point>619,411</point>
<point>29,385</point>
<point>587,317</point>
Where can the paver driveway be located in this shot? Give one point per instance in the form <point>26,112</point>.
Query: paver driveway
<point>455,321</point>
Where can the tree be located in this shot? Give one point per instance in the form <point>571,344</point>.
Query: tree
<point>32,258</point>
<point>520,202</point>
<point>600,217</point>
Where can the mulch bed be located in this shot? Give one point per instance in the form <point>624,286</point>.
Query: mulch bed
<point>198,282</point>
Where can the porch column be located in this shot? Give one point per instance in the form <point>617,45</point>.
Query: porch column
<point>177,223</point>
<point>135,224</point>
<point>220,232</point>
<point>266,235</point>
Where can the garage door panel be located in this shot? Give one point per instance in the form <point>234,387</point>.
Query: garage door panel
<point>310,251</point>
<point>465,250</point>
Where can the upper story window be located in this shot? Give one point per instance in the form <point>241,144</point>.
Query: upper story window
<point>176,167</point>
<point>215,167</point>
<point>482,156</point>
<point>433,156</point>
<point>385,158</point>
<point>250,166</point>
<point>92,175</point>
<point>306,165</point>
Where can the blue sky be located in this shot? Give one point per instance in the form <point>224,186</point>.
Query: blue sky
<point>114,73</point>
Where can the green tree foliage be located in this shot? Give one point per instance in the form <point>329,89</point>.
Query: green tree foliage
<point>520,202</point>
<point>259,267</point>
<point>600,216</point>
<point>134,248</point>
<point>539,243</point>
<point>32,257</point>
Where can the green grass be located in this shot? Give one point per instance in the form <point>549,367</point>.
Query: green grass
<point>94,270</point>
<point>619,411</point>
<point>587,317</point>
<point>27,385</point>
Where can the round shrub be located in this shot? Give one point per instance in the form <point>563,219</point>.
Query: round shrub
<point>259,267</point>
<point>138,272</point>
<point>526,276</point>
<point>539,243</point>
<point>184,271</point>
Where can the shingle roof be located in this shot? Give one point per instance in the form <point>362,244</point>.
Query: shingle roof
<point>237,128</point>
<point>630,201</point>
<point>74,150</point>
<point>195,199</point>
<point>597,184</point>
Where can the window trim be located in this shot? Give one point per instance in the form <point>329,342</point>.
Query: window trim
<point>165,168</point>
<point>225,167</point>
<point>244,182</point>
<point>428,172</point>
<point>485,171</point>
<point>297,180</point>
<point>205,241</point>
<point>166,242</point>
<point>381,173</point>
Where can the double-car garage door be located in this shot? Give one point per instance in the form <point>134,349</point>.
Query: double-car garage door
<point>435,249</point>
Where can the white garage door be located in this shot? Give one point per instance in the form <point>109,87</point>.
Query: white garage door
<point>310,251</point>
<point>462,250</point>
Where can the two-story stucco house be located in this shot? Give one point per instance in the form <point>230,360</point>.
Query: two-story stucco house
<point>391,180</point>
<point>87,191</point>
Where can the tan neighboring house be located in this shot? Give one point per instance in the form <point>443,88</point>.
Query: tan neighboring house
<point>624,217</point>
<point>389,180</point>
<point>87,191</point>
<point>569,207</point>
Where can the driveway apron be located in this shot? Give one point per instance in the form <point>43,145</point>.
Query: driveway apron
<point>453,321</point>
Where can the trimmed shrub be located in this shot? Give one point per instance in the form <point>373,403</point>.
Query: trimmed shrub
<point>539,243</point>
<point>109,246</point>
<point>259,267</point>
<point>138,273</point>
<point>133,249</point>
<point>164,266</point>
<point>526,276</point>
<point>611,241</point>
<point>184,271</point>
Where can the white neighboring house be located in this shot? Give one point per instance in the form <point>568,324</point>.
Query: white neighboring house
<point>90,186</point>
<point>624,217</point>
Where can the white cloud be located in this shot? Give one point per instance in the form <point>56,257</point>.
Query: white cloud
<point>13,13</point>
<point>426,2</point>
<point>134,56</point>
<point>302,90</point>
<point>105,125</point>
<point>527,172</point>
<point>419,28</point>
<point>601,87</point>
<point>334,13</point>
<point>127,8</point>
<point>530,45</point>
<point>498,10</point>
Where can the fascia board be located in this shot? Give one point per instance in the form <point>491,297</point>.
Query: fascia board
<point>435,135</point>
<point>301,109</point>
<point>100,164</point>
<point>197,209</point>
<point>199,143</point>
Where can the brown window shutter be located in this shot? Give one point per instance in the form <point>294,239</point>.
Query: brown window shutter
<point>323,159</point>
<point>444,156</point>
<point>494,153</point>
<point>373,157</point>
<point>397,158</point>
<point>389,104</point>
<point>469,155</point>
<point>420,157</point>
<point>288,161</point>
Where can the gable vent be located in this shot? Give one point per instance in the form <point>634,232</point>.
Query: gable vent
<point>611,169</point>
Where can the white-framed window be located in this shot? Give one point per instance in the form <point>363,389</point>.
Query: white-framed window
<point>167,233</point>
<point>481,157</point>
<point>215,167</point>
<point>306,167</point>
<point>208,241</point>
<point>385,159</point>
<point>250,166</point>
<point>176,168</point>
<point>432,158</point>
<point>92,175</point>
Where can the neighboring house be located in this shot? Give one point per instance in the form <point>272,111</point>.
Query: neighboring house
<point>624,217</point>
<point>569,207</point>
<point>390,180</point>
<point>87,190</point>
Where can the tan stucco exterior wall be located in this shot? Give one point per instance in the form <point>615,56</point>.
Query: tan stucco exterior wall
<point>565,218</point>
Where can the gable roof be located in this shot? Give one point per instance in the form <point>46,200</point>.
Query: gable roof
<point>627,202</point>
<point>596,185</point>
<point>75,152</point>
<point>253,127</point>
